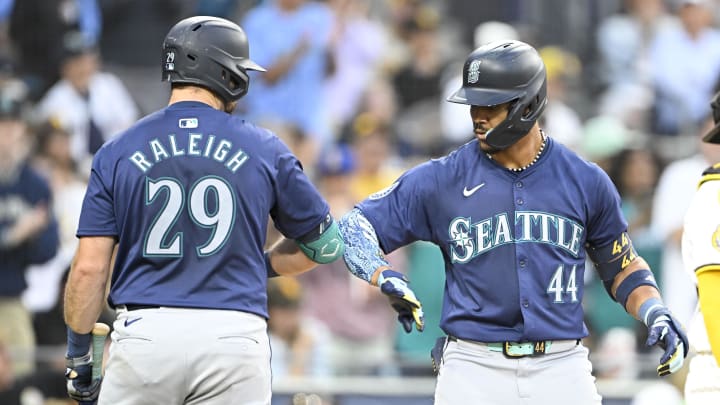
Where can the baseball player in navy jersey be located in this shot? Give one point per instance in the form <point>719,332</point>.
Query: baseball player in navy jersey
<point>181,202</point>
<point>515,214</point>
<point>701,256</point>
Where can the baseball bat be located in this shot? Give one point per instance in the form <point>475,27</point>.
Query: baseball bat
<point>99,333</point>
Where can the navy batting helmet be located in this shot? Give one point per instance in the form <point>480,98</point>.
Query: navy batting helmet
<point>210,52</point>
<point>501,72</point>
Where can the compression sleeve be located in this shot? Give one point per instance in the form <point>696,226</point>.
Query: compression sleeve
<point>363,254</point>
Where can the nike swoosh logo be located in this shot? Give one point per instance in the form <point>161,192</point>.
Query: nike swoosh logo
<point>468,193</point>
<point>129,322</point>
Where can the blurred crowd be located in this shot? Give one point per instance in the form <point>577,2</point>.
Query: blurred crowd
<point>357,89</point>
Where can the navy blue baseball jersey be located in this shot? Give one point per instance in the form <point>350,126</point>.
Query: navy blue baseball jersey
<point>187,192</point>
<point>18,195</point>
<point>514,242</point>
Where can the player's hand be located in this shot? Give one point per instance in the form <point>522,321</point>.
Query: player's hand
<point>667,332</point>
<point>402,299</point>
<point>79,382</point>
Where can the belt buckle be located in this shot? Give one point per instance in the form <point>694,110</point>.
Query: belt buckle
<point>518,350</point>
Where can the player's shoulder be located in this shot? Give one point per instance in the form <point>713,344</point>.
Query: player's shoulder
<point>711,174</point>
<point>576,162</point>
<point>468,152</point>
<point>240,124</point>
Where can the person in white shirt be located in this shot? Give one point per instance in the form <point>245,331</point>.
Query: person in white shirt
<point>90,104</point>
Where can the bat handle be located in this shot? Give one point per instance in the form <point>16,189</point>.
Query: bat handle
<point>99,333</point>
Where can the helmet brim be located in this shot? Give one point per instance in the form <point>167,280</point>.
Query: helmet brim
<point>482,97</point>
<point>248,64</point>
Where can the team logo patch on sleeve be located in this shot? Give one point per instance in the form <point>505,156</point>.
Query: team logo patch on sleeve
<point>716,239</point>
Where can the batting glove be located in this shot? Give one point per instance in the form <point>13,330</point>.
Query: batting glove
<point>402,299</point>
<point>79,382</point>
<point>667,332</point>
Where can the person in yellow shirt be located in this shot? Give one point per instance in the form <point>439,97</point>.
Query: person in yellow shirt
<point>372,151</point>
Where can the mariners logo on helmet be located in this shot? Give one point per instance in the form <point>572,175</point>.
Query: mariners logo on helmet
<point>474,71</point>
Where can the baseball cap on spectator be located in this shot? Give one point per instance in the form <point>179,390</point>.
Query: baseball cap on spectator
<point>75,43</point>
<point>284,292</point>
<point>425,19</point>
<point>559,62</point>
<point>13,100</point>
<point>336,160</point>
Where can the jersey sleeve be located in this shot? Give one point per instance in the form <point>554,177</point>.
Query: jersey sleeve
<point>299,207</point>
<point>97,217</point>
<point>701,232</point>
<point>399,213</point>
<point>606,219</point>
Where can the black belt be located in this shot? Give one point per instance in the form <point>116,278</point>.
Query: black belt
<point>135,307</point>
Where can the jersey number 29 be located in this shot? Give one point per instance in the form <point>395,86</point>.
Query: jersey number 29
<point>221,220</point>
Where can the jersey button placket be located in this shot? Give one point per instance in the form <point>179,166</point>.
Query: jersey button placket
<point>518,193</point>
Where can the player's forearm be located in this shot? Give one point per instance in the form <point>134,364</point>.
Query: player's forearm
<point>287,259</point>
<point>84,297</point>
<point>363,255</point>
<point>640,294</point>
<point>85,289</point>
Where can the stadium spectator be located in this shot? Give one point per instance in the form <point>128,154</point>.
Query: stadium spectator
<point>375,155</point>
<point>299,345</point>
<point>623,40</point>
<point>295,52</point>
<point>54,161</point>
<point>357,44</point>
<point>418,85</point>
<point>92,105</point>
<point>560,121</point>
<point>39,30</point>
<point>685,64</point>
<point>28,231</point>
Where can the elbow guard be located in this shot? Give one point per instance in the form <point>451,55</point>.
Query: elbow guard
<point>324,244</point>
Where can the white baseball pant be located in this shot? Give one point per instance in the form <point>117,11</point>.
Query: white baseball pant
<point>187,356</point>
